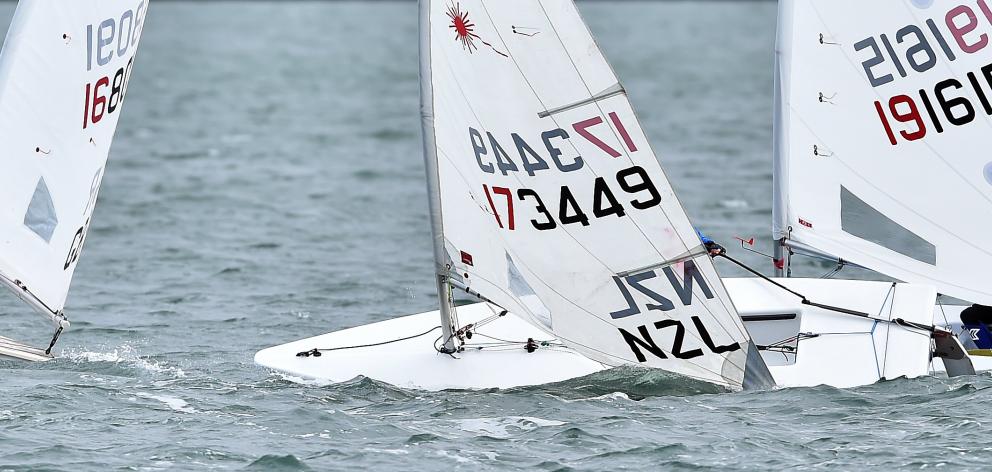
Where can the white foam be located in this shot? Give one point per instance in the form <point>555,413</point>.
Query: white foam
<point>735,204</point>
<point>302,381</point>
<point>124,354</point>
<point>395,452</point>
<point>607,396</point>
<point>503,427</point>
<point>457,457</point>
<point>177,404</point>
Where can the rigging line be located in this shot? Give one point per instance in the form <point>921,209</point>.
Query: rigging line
<point>504,340</point>
<point>806,301</point>
<point>940,303</point>
<point>443,351</point>
<point>888,329</point>
<point>489,304</point>
<point>316,352</point>
<point>834,271</point>
<point>623,361</point>
<point>486,321</point>
<point>939,156</point>
<point>839,333</point>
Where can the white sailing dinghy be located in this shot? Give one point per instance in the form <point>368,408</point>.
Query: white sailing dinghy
<point>64,71</point>
<point>547,202</point>
<point>883,117</point>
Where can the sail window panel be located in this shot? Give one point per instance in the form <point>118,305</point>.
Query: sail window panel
<point>522,290</point>
<point>861,220</point>
<point>40,217</point>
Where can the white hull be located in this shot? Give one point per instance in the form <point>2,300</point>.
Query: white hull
<point>416,364</point>
<point>848,352</point>
<point>10,349</point>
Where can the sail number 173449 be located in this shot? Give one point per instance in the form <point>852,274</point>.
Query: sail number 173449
<point>634,181</point>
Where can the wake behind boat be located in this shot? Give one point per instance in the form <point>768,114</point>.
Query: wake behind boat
<point>548,204</point>
<point>64,72</point>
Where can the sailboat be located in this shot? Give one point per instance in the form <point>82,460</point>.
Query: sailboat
<point>880,127</point>
<point>64,73</point>
<point>548,204</point>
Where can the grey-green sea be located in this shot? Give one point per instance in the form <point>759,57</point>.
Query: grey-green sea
<point>267,184</point>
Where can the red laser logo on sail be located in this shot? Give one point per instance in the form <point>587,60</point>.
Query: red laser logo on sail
<point>465,30</point>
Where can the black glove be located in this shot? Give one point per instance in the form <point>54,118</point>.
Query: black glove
<point>715,249</point>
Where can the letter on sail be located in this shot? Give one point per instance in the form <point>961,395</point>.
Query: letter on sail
<point>547,181</point>
<point>64,72</point>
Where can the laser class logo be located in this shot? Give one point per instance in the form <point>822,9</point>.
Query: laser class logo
<point>465,30</point>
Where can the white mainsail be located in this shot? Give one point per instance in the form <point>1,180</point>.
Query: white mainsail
<point>884,115</point>
<point>550,201</point>
<point>64,72</point>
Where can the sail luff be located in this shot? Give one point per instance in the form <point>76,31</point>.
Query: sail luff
<point>449,321</point>
<point>780,145</point>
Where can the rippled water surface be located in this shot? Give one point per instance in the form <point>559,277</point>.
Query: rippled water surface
<point>267,184</point>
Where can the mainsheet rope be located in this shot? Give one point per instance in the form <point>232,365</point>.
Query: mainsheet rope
<point>846,311</point>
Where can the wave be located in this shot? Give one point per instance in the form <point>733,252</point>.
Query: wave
<point>124,357</point>
<point>634,383</point>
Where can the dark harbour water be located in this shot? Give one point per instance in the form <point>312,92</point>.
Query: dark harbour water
<point>267,184</point>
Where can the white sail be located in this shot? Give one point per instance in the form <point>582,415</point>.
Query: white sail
<point>885,117</point>
<point>553,204</point>
<point>64,72</point>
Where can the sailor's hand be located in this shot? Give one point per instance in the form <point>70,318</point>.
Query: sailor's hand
<point>715,249</point>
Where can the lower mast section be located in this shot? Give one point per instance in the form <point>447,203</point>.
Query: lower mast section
<point>449,318</point>
<point>782,259</point>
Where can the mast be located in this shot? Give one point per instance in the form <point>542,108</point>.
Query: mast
<point>780,146</point>
<point>449,319</point>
